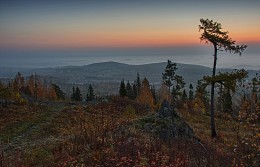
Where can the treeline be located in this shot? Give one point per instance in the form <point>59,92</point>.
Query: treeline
<point>171,89</point>
<point>140,90</point>
<point>77,95</point>
<point>232,88</point>
<point>21,90</point>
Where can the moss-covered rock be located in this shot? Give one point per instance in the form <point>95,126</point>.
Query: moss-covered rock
<point>166,124</point>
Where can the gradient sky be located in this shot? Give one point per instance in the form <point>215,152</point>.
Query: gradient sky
<point>123,23</point>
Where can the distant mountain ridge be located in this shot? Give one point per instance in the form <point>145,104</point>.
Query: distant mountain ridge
<point>114,72</point>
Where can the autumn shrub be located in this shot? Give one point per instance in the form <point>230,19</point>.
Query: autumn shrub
<point>120,104</point>
<point>247,147</point>
<point>106,134</point>
<point>198,106</point>
<point>102,141</point>
<point>129,113</point>
<point>37,156</point>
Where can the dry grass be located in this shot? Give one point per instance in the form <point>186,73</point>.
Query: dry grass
<point>105,135</point>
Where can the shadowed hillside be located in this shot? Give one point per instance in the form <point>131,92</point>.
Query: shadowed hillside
<point>112,72</point>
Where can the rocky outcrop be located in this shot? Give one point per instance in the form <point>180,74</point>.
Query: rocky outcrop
<point>166,124</point>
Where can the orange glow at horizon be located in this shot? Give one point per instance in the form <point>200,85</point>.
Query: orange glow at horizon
<point>116,39</point>
<point>78,40</point>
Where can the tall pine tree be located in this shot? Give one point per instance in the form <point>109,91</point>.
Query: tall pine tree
<point>129,91</point>
<point>90,94</point>
<point>184,96</point>
<point>169,75</point>
<point>60,94</point>
<point>73,94</point>
<point>138,83</point>
<point>134,90</point>
<point>122,89</point>
<point>212,33</point>
<point>191,93</point>
<point>78,95</point>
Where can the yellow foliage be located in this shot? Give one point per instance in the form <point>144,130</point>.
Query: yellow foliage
<point>52,94</point>
<point>249,142</point>
<point>198,106</point>
<point>145,96</point>
<point>163,93</point>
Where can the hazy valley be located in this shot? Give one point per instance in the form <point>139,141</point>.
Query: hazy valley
<point>106,76</point>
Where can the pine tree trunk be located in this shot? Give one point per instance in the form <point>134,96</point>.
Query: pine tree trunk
<point>221,98</point>
<point>212,112</point>
<point>169,95</point>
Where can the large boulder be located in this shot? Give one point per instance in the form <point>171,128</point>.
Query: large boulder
<point>165,110</point>
<point>166,124</point>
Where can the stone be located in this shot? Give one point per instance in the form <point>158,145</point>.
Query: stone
<point>165,110</point>
<point>166,124</point>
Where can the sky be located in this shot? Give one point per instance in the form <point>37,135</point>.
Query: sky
<point>81,24</point>
<point>51,33</point>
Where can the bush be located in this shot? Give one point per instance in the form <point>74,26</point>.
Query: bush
<point>129,112</point>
